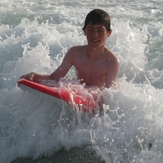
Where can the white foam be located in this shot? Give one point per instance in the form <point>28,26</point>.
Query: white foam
<point>35,35</point>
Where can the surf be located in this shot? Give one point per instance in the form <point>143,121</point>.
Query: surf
<point>34,36</point>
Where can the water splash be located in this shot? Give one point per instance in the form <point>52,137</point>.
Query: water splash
<point>34,36</point>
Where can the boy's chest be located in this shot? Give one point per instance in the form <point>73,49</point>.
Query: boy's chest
<point>91,69</point>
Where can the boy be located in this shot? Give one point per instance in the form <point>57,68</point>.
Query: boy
<point>95,64</point>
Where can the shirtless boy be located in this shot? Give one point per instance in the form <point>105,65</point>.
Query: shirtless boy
<point>95,64</point>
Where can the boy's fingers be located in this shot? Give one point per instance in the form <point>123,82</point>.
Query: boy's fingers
<point>29,76</point>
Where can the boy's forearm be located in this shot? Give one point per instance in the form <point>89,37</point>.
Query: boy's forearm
<point>37,77</point>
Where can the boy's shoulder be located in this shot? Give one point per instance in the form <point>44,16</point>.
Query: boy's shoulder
<point>111,57</point>
<point>110,54</point>
<point>75,50</point>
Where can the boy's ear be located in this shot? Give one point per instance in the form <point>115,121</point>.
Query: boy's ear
<point>109,33</point>
<point>84,31</point>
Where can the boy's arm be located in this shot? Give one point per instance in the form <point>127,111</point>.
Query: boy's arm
<point>112,74</point>
<point>61,71</point>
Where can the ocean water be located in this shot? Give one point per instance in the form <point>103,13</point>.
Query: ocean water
<point>34,36</point>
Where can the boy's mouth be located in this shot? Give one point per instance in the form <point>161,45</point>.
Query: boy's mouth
<point>95,41</point>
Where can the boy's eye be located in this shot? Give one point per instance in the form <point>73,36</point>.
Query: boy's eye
<point>99,30</point>
<point>90,29</point>
<point>95,30</point>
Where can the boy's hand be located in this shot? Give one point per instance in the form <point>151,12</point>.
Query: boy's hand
<point>29,76</point>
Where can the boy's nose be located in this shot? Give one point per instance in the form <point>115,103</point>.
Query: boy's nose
<point>95,33</point>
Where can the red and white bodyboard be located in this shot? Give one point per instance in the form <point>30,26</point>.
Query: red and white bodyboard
<point>75,99</point>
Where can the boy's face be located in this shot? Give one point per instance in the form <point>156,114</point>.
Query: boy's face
<point>96,35</point>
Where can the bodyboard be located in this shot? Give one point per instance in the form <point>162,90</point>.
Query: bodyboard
<point>75,99</point>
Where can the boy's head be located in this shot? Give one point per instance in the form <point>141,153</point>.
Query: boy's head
<point>98,16</point>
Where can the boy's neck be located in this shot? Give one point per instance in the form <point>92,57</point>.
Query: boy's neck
<point>95,53</point>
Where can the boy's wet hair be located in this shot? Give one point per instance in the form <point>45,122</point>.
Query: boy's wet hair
<point>98,16</point>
